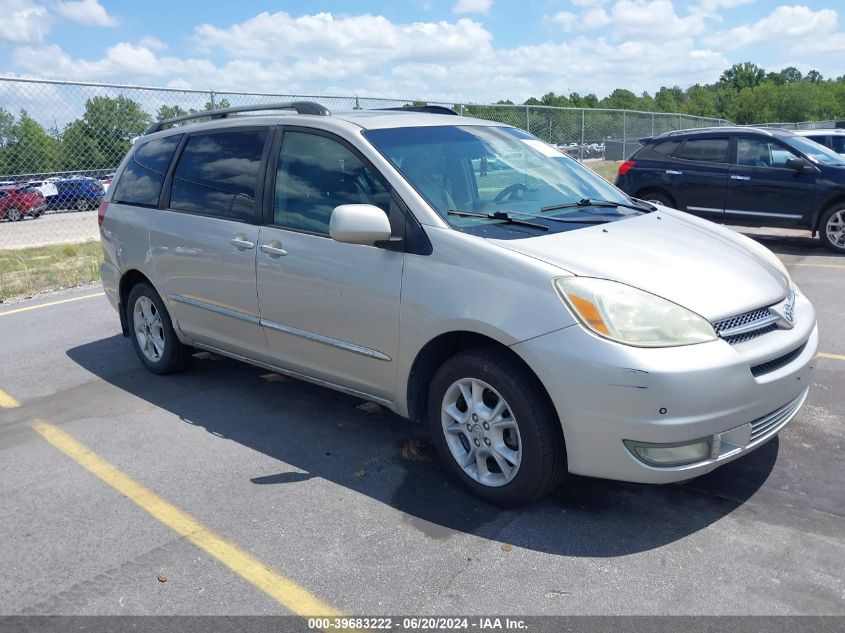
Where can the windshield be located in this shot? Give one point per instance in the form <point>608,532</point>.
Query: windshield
<point>815,152</point>
<point>486,170</point>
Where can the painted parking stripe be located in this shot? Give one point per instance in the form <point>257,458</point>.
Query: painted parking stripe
<point>7,401</point>
<point>50,303</point>
<point>831,356</point>
<point>285,591</point>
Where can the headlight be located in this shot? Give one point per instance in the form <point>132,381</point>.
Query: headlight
<point>631,316</point>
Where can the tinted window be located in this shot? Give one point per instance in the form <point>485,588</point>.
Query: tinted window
<point>316,174</point>
<point>144,175</point>
<point>217,174</point>
<point>760,153</point>
<point>666,147</point>
<point>838,144</point>
<point>709,150</point>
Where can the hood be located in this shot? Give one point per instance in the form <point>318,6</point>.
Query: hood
<point>701,266</point>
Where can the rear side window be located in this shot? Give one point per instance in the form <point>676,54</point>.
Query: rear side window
<point>837,144</point>
<point>143,177</point>
<point>667,148</point>
<point>217,174</point>
<point>708,150</point>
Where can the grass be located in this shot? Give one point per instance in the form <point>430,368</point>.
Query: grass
<point>604,168</point>
<point>30,270</point>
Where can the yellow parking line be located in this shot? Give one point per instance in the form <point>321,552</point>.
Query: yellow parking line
<point>7,401</point>
<point>285,591</point>
<point>833,356</point>
<point>51,303</point>
<point>818,265</point>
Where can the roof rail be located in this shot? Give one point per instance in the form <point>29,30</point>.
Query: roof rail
<point>301,107</point>
<point>431,109</point>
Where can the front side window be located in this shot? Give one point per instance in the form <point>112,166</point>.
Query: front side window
<point>816,153</point>
<point>708,150</point>
<point>217,174</point>
<point>468,172</point>
<point>143,177</point>
<point>753,152</point>
<point>314,175</point>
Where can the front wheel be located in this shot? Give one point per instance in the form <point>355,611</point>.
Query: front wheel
<point>14,215</point>
<point>82,204</point>
<point>494,427</point>
<point>832,229</point>
<point>153,336</point>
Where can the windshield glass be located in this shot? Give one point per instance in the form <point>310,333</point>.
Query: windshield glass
<point>487,169</point>
<point>815,152</point>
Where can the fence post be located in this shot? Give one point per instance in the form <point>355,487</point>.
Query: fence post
<point>581,146</point>
<point>680,123</point>
<point>527,120</point>
<point>213,104</point>
<point>624,135</point>
<point>652,123</point>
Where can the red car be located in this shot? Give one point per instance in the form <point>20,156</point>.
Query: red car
<point>19,201</point>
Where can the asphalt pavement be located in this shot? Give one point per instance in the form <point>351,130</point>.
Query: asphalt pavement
<point>228,490</point>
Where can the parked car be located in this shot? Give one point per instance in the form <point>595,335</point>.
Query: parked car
<point>833,138</point>
<point>47,187</point>
<point>739,175</point>
<point>106,181</point>
<point>19,201</point>
<point>548,324</point>
<point>80,193</point>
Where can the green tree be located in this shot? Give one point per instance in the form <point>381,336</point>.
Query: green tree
<point>744,75</point>
<point>27,148</point>
<point>112,123</point>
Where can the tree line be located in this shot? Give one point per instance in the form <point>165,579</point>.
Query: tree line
<point>744,94</point>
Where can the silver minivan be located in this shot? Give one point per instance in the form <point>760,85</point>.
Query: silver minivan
<point>538,320</point>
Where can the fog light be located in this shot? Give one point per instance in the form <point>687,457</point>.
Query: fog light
<point>676,454</point>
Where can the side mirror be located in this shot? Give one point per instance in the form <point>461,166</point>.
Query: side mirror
<point>798,164</point>
<point>359,224</point>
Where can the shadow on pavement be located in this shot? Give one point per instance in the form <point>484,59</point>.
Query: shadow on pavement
<point>321,432</point>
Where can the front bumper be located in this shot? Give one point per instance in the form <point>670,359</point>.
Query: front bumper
<point>606,393</point>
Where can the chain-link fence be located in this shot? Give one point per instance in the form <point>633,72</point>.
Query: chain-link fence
<point>806,125</point>
<point>60,142</point>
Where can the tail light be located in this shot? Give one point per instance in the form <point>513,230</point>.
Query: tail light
<point>625,167</point>
<point>101,212</point>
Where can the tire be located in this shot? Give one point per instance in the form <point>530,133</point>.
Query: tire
<point>832,229</point>
<point>656,197</point>
<point>152,333</point>
<point>14,214</point>
<point>533,454</point>
<point>81,204</point>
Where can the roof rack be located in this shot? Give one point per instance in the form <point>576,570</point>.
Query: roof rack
<point>431,109</point>
<point>301,107</point>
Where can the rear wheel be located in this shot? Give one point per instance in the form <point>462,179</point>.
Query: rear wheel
<point>494,428</point>
<point>657,197</point>
<point>832,228</point>
<point>14,214</point>
<point>152,332</point>
<point>82,204</point>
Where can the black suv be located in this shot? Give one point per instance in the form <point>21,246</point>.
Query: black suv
<point>741,175</point>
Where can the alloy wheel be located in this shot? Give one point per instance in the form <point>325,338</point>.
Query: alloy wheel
<point>149,330</point>
<point>481,432</point>
<point>835,229</point>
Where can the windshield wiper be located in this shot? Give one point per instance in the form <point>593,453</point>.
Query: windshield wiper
<point>600,204</point>
<point>499,215</point>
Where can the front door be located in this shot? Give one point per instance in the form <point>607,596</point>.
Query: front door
<point>205,241</point>
<point>762,190</point>
<point>329,310</point>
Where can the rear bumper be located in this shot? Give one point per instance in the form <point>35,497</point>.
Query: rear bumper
<point>606,393</point>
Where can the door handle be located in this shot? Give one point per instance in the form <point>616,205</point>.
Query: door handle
<point>240,242</point>
<point>273,249</point>
<point>738,177</point>
<point>674,172</point>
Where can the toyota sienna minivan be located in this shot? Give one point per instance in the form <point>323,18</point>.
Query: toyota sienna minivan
<point>538,320</point>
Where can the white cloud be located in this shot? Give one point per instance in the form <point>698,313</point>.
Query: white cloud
<point>654,18</point>
<point>472,6</point>
<point>566,19</point>
<point>595,18</point>
<point>89,12</point>
<point>153,43</point>
<point>588,3</point>
<point>24,21</point>
<point>711,6</point>
<point>785,25</point>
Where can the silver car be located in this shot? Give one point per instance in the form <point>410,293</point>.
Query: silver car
<point>535,317</point>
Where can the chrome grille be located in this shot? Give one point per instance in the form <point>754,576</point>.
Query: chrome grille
<point>761,315</point>
<point>767,426</point>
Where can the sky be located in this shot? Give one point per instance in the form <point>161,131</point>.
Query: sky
<point>440,50</point>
